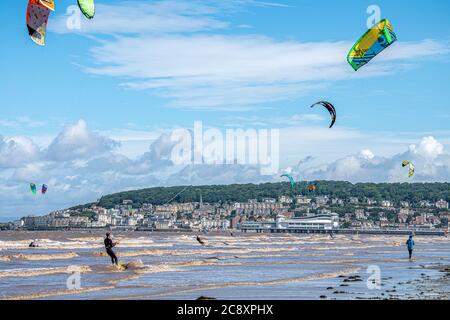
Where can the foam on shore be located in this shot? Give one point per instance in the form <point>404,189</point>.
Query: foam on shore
<point>31,272</point>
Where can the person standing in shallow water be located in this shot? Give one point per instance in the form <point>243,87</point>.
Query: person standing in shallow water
<point>109,244</point>
<point>410,244</point>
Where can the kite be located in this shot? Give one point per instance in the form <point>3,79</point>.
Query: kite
<point>290,179</point>
<point>406,163</point>
<point>50,4</point>
<point>33,188</point>
<point>373,42</point>
<point>44,189</point>
<point>38,12</point>
<point>331,109</point>
<point>311,188</point>
<point>87,7</point>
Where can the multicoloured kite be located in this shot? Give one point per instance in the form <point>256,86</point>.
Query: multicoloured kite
<point>87,7</point>
<point>38,12</point>
<point>311,188</point>
<point>331,109</point>
<point>44,189</point>
<point>412,169</point>
<point>373,42</point>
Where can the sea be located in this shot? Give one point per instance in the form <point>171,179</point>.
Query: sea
<point>239,266</point>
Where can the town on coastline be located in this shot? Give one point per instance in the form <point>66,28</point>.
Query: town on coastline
<point>302,213</point>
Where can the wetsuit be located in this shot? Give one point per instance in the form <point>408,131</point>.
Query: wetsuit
<point>200,240</point>
<point>108,246</point>
<point>410,243</point>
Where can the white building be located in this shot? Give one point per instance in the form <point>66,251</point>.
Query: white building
<point>215,224</point>
<point>321,200</point>
<point>325,222</point>
<point>404,204</point>
<point>337,201</point>
<point>442,204</point>
<point>303,200</point>
<point>386,203</point>
<point>104,219</point>
<point>285,199</point>
<point>360,214</point>
<point>425,204</point>
<point>163,224</point>
<point>319,222</point>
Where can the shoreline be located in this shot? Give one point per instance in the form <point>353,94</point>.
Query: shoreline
<point>431,233</point>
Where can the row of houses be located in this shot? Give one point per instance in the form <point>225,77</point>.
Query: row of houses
<point>45,222</point>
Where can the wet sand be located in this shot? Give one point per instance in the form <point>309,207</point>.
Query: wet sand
<point>246,266</point>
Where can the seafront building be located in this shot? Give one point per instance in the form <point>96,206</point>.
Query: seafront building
<point>300,213</point>
<point>319,222</point>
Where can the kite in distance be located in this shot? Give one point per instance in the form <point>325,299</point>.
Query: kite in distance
<point>411,167</point>
<point>331,109</point>
<point>87,7</point>
<point>373,42</point>
<point>33,188</point>
<point>290,179</point>
<point>44,189</point>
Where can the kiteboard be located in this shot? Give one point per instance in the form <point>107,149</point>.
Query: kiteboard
<point>122,266</point>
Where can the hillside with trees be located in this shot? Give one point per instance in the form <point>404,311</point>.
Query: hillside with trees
<point>395,192</point>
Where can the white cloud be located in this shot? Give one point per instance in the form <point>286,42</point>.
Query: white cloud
<point>179,50</point>
<point>237,71</point>
<point>431,162</point>
<point>366,154</point>
<point>157,17</point>
<point>428,148</point>
<point>17,151</point>
<point>77,141</point>
<point>145,18</point>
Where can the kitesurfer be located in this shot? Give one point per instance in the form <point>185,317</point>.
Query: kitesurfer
<point>109,244</point>
<point>410,244</point>
<point>200,240</point>
<point>33,244</point>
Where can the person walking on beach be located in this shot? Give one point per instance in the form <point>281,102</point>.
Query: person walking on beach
<point>109,244</point>
<point>410,244</point>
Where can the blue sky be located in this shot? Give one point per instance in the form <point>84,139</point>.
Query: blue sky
<point>143,68</point>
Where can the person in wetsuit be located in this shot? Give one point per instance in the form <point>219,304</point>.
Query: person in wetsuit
<point>200,240</point>
<point>33,244</point>
<point>109,244</point>
<point>410,244</point>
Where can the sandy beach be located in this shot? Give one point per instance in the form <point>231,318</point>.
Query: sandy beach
<point>245,266</point>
